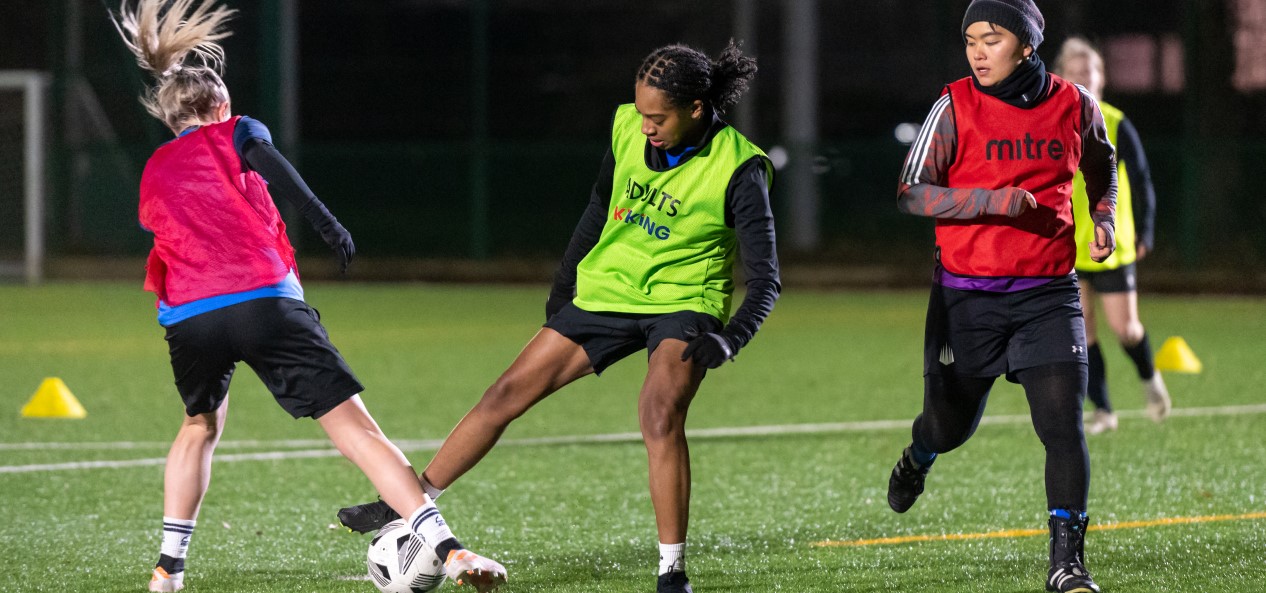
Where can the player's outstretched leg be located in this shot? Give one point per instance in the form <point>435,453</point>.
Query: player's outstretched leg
<point>1068,572</point>
<point>372,516</point>
<point>359,439</point>
<point>464,567</point>
<point>549,362</point>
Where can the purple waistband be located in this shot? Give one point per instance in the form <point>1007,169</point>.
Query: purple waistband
<point>992,284</point>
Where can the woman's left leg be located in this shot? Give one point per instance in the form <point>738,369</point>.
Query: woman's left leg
<point>356,435</point>
<point>186,477</point>
<point>666,394</point>
<point>1055,393</point>
<point>187,473</point>
<point>1122,311</point>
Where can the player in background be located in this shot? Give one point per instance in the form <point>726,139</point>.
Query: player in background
<point>1114,279</point>
<point>994,165</point>
<point>228,289</point>
<point>679,195</point>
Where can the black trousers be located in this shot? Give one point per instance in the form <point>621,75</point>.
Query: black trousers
<point>953,405</point>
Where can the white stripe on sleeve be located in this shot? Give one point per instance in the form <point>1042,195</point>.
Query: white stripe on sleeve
<point>919,150</point>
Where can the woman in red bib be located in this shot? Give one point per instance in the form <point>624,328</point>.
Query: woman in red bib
<point>228,288</point>
<point>994,165</point>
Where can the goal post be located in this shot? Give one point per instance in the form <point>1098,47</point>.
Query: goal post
<point>31,85</point>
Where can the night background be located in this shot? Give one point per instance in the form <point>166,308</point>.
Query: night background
<point>443,132</point>
<point>458,141</point>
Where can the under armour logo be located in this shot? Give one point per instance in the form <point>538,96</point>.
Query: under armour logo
<point>1079,349</point>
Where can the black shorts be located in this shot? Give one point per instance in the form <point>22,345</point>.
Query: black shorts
<point>281,339</point>
<point>1121,279</point>
<point>976,333</point>
<point>609,337</point>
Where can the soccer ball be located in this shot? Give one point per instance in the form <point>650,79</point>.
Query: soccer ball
<point>399,562</point>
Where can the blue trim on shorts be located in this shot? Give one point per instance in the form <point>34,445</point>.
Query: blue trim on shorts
<point>289,287</point>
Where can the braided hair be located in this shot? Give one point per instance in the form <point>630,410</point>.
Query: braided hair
<point>685,75</point>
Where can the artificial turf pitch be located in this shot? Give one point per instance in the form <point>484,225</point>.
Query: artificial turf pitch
<point>567,515</point>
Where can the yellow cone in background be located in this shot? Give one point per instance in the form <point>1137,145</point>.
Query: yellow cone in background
<point>1176,356</point>
<point>53,400</point>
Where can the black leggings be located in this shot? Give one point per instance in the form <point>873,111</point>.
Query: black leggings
<point>952,407</point>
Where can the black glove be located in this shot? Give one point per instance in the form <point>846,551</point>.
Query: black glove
<point>331,232</point>
<point>708,350</point>
<point>340,241</point>
<point>556,301</point>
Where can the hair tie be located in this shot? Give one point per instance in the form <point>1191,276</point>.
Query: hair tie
<point>170,71</point>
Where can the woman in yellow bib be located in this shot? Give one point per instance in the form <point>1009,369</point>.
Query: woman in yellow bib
<point>1114,280</point>
<point>679,197</point>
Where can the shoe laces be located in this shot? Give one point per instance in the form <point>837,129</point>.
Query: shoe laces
<point>908,470</point>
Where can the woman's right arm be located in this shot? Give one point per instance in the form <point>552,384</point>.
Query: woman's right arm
<point>921,190</point>
<point>583,238</point>
<point>1143,194</point>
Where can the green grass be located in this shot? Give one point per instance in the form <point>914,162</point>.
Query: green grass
<point>567,518</point>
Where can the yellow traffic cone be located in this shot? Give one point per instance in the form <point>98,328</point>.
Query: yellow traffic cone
<point>1176,356</point>
<point>53,400</point>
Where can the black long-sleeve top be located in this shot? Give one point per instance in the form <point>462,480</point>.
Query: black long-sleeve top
<point>1130,153</point>
<point>747,211</point>
<point>922,189</point>
<point>254,143</point>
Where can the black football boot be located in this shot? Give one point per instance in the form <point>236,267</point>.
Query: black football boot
<point>1068,572</point>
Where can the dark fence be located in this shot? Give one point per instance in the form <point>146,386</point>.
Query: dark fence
<point>413,200</point>
<point>386,130</point>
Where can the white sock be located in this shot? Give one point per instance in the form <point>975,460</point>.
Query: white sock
<point>176,534</point>
<point>428,524</point>
<point>431,491</point>
<point>672,557</point>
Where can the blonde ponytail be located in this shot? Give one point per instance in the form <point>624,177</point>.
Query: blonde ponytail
<point>178,43</point>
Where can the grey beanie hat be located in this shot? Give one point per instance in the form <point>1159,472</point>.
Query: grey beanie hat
<point>1018,16</point>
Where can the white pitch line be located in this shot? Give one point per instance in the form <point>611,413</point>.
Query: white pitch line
<point>621,437</point>
<point>149,461</point>
<point>602,438</point>
<point>133,445</point>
